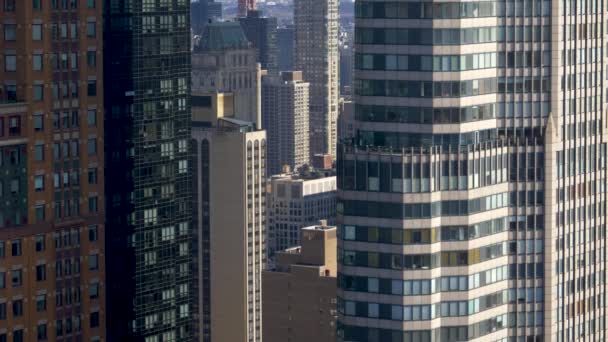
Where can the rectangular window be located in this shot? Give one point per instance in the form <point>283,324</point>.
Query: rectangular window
<point>94,320</point>
<point>92,117</point>
<point>10,32</point>
<point>39,152</point>
<point>10,62</point>
<point>93,204</point>
<point>91,29</point>
<point>40,272</point>
<point>18,335</point>
<point>36,31</point>
<point>91,59</point>
<point>9,5</point>
<point>41,332</point>
<point>94,290</point>
<point>92,175</point>
<point>16,247</point>
<point>92,233</point>
<point>39,183</point>
<point>92,88</point>
<point>17,278</point>
<point>38,122</point>
<point>39,210</point>
<point>38,92</point>
<point>90,3</point>
<point>92,146</point>
<point>2,311</point>
<point>37,5</point>
<point>40,243</point>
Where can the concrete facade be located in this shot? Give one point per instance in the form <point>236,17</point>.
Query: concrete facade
<point>285,117</point>
<point>296,201</point>
<point>230,162</point>
<point>316,55</point>
<point>300,293</point>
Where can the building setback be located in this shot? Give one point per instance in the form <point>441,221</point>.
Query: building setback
<point>224,61</point>
<point>285,118</point>
<point>151,277</point>
<point>316,55</point>
<point>52,269</point>
<point>297,200</point>
<point>230,163</point>
<point>300,293</point>
<point>472,203</point>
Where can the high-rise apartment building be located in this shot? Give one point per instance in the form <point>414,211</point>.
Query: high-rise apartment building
<point>316,55</point>
<point>300,292</point>
<point>151,272</point>
<point>224,61</point>
<point>297,200</point>
<point>285,47</point>
<point>285,118</point>
<point>52,269</point>
<point>230,162</point>
<point>261,31</point>
<point>472,205</point>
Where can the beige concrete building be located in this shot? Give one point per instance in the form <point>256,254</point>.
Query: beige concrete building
<point>300,294</point>
<point>285,117</point>
<point>224,61</point>
<point>316,54</point>
<point>231,219</point>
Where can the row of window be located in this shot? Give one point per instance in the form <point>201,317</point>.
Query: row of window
<point>442,115</point>
<point>452,10</point>
<point>62,268</point>
<point>61,240</point>
<point>402,236</point>
<point>422,261</point>
<point>422,210</point>
<point>400,140</point>
<point>57,31</point>
<point>419,287</point>
<point>452,36</point>
<point>447,89</point>
<point>38,5</point>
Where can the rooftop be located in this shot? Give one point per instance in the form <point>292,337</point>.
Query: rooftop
<point>224,35</point>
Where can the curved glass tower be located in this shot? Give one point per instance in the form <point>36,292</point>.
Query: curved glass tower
<point>472,197</point>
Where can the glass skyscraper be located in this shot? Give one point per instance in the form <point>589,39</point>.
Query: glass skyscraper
<point>151,287</point>
<point>472,198</point>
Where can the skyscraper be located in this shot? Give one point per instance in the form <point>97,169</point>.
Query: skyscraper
<point>472,204</point>
<point>261,31</point>
<point>316,55</point>
<point>244,6</point>
<point>230,163</point>
<point>285,45</point>
<point>203,11</point>
<point>285,118</point>
<point>224,61</point>
<point>52,227</point>
<point>151,279</point>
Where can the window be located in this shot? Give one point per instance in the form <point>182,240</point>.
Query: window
<point>39,209</point>
<point>18,335</point>
<point>38,92</point>
<point>10,62</point>
<point>92,117</point>
<point>92,146</point>
<point>18,308</point>
<point>39,153</point>
<point>14,125</point>
<point>92,233</point>
<point>92,88</point>
<point>92,175</point>
<point>94,290</point>
<point>41,329</point>
<point>2,311</point>
<point>91,59</point>
<point>17,277</point>
<point>9,5</point>
<point>36,31</point>
<point>93,204</point>
<point>16,247</point>
<point>40,272</point>
<point>40,243</point>
<point>38,122</point>
<point>91,29</point>
<point>94,320</point>
<point>39,183</point>
<point>37,5</point>
<point>2,251</point>
<point>37,62</point>
<point>90,3</point>
<point>93,262</point>
<point>10,32</point>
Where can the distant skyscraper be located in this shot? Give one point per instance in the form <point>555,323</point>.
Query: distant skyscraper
<point>472,203</point>
<point>262,33</point>
<point>297,200</point>
<point>203,11</point>
<point>52,229</point>
<point>224,61</point>
<point>300,292</point>
<point>285,118</point>
<point>230,161</point>
<point>346,69</point>
<point>151,288</point>
<point>245,6</point>
<point>316,54</point>
<point>285,47</point>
